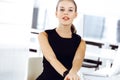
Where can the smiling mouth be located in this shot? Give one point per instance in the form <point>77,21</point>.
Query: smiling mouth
<point>66,18</point>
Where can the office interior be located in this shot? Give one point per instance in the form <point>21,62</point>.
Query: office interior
<point>98,23</point>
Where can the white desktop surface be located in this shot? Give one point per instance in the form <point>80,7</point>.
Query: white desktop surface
<point>89,77</point>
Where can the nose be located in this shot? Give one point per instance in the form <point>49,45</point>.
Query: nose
<point>65,12</point>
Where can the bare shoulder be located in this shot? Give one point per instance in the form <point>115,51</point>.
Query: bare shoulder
<point>42,34</point>
<point>83,41</point>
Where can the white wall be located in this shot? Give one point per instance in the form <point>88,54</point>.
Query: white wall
<point>15,24</point>
<point>15,21</point>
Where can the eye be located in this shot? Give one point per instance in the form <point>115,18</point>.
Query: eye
<point>62,9</point>
<point>70,10</point>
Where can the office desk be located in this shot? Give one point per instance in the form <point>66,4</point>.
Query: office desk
<point>101,43</point>
<point>102,53</point>
<point>88,77</point>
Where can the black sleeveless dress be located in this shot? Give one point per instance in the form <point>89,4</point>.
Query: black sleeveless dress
<point>64,49</point>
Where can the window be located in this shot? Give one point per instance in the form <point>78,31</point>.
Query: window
<point>93,26</point>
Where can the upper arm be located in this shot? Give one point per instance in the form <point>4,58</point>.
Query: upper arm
<point>80,53</point>
<point>45,46</point>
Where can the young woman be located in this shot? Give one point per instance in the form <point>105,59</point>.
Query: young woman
<point>63,50</point>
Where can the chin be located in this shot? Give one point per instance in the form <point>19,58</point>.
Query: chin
<point>65,23</point>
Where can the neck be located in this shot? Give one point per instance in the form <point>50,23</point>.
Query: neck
<point>64,28</point>
<point>64,31</point>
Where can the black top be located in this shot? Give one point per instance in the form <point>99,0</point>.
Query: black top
<point>64,49</point>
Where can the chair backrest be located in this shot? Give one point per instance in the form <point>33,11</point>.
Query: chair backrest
<point>35,67</point>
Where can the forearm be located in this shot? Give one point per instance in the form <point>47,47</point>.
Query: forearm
<point>58,66</point>
<point>74,70</point>
<point>79,56</point>
<point>77,63</point>
<point>49,54</point>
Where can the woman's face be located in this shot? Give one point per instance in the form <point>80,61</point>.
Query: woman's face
<point>66,12</point>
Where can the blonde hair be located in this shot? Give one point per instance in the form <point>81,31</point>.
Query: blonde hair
<point>73,29</point>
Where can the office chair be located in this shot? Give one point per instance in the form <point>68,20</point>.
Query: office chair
<point>114,70</point>
<point>90,63</point>
<point>35,67</point>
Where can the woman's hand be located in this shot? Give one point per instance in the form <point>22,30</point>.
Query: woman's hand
<point>72,76</point>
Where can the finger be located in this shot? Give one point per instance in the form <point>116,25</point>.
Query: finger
<point>78,78</point>
<point>65,78</point>
<point>70,78</point>
<point>74,78</point>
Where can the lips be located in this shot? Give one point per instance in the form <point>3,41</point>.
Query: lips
<point>65,18</point>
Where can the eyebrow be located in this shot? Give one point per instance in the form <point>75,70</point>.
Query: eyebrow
<point>63,7</point>
<point>70,7</point>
